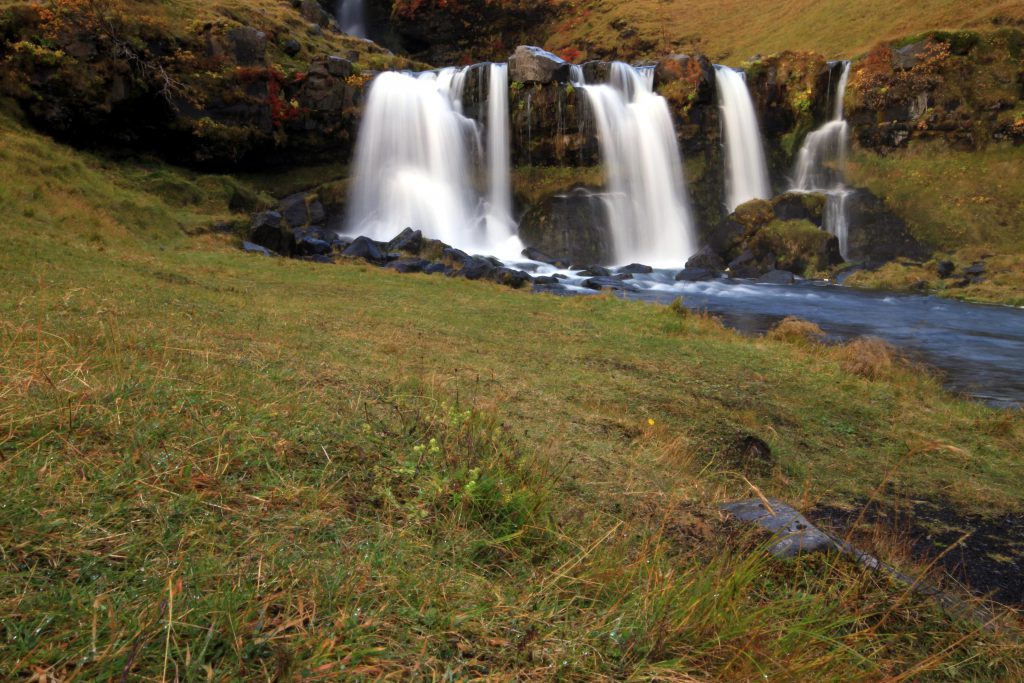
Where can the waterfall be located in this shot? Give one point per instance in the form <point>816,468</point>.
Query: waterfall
<point>747,169</point>
<point>498,221</point>
<point>647,203</point>
<point>576,77</point>
<point>821,162</point>
<point>415,163</point>
<point>352,17</point>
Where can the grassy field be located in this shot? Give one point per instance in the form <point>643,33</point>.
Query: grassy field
<point>733,30</point>
<point>226,467</point>
<point>969,206</point>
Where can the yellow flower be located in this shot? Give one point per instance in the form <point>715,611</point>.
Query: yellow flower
<point>650,421</point>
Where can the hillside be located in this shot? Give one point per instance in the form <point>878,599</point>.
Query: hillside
<point>230,467</point>
<point>731,31</point>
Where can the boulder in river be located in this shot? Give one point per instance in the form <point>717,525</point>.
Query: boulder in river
<point>529,64</point>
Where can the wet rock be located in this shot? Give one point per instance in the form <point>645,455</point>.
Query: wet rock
<point>408,240</point>
<point>636,269</point>
<point>777,277</point>
<point>511,277</point>
<point>745,265</point>
<point>311,242</point>
<point>600,283</point>
<point>595,271</point>
<point>299,210</point>
<point>571,227</point>
<point>546,280</point>
<point>476,268</point>
<point>365,248</point>
<point>706,259</point>
<point>537,255</point>
<point>257,249</point>
<point>696,275</point>
<point>268,230</point>
<point>530,64</point>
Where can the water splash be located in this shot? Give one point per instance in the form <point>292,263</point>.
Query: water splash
<point>747,170</point>
<point>647,202</point>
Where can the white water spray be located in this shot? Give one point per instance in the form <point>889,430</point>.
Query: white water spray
<point>747,170</point>
<point>352,17</point>
<point>647,203</point>
<point>821,163</point>
<point>498,221</point>
<point>414,164</point>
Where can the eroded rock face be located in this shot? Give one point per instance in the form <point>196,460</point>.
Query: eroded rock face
<point>530,64</point>
<point>876,234</point>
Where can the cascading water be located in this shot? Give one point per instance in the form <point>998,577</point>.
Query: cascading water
<point>352,17</point>
<point>414,163</point>
<point>498,221</point>
<point>820,165</point>
<point>747,170</point>
<point>647,204</point>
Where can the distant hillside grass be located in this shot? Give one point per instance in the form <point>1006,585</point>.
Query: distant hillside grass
<point>733,30</point>
<point>220,466</point>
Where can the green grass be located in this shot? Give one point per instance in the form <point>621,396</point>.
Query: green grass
<point>733,30</point>
<point>227,467</point>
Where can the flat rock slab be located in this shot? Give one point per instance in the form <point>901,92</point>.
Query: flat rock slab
<point>793,532</point>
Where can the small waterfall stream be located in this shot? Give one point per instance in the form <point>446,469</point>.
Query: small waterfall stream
<point>352,17</point>
<point>821,162</point>
<point>416,157</point>
<point>647,202</point>
<point>747,170</point>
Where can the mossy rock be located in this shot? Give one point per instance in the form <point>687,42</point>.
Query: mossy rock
<point>799,246</point>
<point>754,214</point>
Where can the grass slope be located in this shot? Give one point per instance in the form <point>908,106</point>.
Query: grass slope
<point>228,467</point>
<point>733,30</point>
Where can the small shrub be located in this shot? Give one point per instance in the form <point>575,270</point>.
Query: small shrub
<point>796,331</point>
<point>869,357</point>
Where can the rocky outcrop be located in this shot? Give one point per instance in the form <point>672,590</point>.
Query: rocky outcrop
<point>571,227</point>
<point>875,234</point>
<point>962,87</point>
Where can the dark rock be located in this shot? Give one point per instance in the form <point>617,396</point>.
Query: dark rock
<point>310,242</point>
<point>745,265</point>
<point>268,230</point>
<point>546,280</point>
<point>794,534</point>
<point>312,11</point>
<point>299,211</point>
<point>530,64</point>
<point>875,234</point>
<point>572,226</point>
<point>408,240</point>
<point>537,255</point>
<point>595,72</point>
<point>409,265</point>
<point>339,67</point>
<point>707,259</point>
<point>636,269</point>
<point>365,248</point>
<point>696,275</point>
<point>452,256</point>
<point>291,47</point>
<point>595,271</point>
<point>909,56</point>
<point>945,269</point>
<point>476,268</point>
<point>976,268</point>
<point>257,249</point>
<point>798,206</point>
<point>600,283</point>
<point>777,277</point>
<point>436,268</point>
<point>511,277</point>
<point>249,44</point>
<point>693,77</point>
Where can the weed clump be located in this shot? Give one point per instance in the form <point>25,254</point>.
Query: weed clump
<point>870,357</point>
<point>793,330</point>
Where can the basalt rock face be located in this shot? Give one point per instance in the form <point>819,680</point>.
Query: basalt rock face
<point>211,96</point>
<point>964,88</point>
<point>876,235</point>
